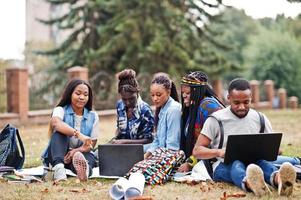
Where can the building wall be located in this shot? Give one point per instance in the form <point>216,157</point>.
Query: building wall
<point>36,31</point>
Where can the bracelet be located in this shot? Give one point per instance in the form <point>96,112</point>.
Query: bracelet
<point>75,133</point>
<point>192,161</point>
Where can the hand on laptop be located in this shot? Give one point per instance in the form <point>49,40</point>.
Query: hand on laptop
<point>221,152</point>
<point>121,141</point>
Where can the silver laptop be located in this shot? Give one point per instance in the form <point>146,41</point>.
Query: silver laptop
<point>117,159</point>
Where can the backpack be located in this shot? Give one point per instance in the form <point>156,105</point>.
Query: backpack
<point>209,162</point>
<point>9,150</point>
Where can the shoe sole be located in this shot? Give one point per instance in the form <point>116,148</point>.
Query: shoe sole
<point>255,181</point>
<point>287,178</point>
<point>81,166</point>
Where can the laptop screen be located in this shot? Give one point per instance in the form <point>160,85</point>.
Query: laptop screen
<point>118,159</point>
<point>249,148</point>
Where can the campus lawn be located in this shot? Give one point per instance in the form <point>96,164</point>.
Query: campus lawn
<point>35,140</point>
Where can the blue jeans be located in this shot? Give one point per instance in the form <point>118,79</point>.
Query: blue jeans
<point>235,172</point>
<point>59,147</point>
<point>282,159</point>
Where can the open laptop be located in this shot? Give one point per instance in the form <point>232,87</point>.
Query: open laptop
<point>249,148</point>
<point>116,160</point>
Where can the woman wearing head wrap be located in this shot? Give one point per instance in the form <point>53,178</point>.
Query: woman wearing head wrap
<point>198,102</point>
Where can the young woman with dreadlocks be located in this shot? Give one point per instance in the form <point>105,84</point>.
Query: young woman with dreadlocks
<point>198,102</point>
<point>135,121</point>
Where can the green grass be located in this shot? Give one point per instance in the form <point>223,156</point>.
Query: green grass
<point>35,140</point>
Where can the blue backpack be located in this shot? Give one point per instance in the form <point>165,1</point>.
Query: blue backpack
<point>9,150</point>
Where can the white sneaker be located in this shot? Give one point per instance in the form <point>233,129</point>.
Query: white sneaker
<point>286,179</point>
<point>81,166</point>
<point>59,172</point>
<point>255,180</point>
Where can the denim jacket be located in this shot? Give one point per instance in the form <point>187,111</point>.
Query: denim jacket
<point>85,127</point>
<point>87,122</point>
<point>169,127</point>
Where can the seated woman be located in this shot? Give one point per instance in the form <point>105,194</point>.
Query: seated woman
<point>135,121</point>
<point>198,102</point>
<point>167,115</point>
<point>74,129</point>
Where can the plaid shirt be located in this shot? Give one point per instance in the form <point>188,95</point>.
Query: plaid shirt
<point>140,126</point>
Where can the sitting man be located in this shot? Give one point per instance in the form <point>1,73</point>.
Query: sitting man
<point>238,118</point>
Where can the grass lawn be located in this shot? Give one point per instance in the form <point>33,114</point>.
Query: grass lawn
<point>35,140</point>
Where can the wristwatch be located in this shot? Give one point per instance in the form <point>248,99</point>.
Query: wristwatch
<point>191,160</point>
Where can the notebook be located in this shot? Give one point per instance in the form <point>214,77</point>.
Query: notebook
<point>249,148</point>
<point>116,160</point>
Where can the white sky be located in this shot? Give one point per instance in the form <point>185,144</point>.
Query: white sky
<point>12,20</point>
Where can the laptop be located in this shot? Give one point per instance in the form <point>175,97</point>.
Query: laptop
<point>116,160</point>
<point>249,148</point>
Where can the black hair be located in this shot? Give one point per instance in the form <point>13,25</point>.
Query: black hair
<point>127,81</point>
<point>164,80</point>
<point>69,89</point>
<point>239,84</point>
<point>199,89</point>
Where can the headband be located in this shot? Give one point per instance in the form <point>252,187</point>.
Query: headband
<point>192,82</point>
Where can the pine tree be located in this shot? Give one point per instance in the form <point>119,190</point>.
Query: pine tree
<point>149,36</point>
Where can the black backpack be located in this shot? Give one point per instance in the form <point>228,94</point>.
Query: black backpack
<point>9,150</point>
<point>208,162</point>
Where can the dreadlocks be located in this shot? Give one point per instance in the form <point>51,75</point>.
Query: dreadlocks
<point>127,81</point>
<point>199,89</point>
<point>163,79</point>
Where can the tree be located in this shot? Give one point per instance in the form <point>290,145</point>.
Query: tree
<point>234,31</point>
<point>275,55</point>
<point>149,36</point>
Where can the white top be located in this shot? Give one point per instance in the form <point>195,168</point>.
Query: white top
<point>232,126</point>
<point>59,112</point>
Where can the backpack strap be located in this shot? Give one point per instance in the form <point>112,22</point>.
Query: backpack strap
<point>209,162</point>
<point>262,122</point>
<point>21,143</point>
<point>221,127</point>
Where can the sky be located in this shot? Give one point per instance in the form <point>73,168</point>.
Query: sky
<point>12,20</point>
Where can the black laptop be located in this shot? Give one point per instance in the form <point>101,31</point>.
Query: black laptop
<point>117,159</point>
<point>249,148</point>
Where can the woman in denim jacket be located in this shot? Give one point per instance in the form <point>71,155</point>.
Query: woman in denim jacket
<point>167,115</point>
<point>74,129</point>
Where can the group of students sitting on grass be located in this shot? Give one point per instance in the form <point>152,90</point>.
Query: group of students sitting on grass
<point>74,129</point>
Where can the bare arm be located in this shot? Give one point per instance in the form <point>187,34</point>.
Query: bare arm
<point>128,141</point>
<point>201,150</point>
<point>57,124</point>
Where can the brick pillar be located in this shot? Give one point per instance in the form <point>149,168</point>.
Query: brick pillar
<point>78,72</point>
<point>293,102</point>
<point>269,89</point>
<point>218,89</point>
<point>255,91</point>
<point>282,98</point>
<point>17,92</point>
